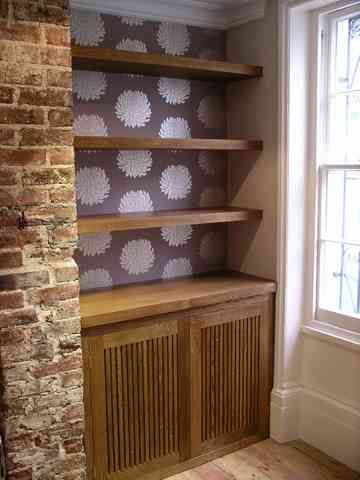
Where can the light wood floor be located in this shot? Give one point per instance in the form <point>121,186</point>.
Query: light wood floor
<point>269,460</point>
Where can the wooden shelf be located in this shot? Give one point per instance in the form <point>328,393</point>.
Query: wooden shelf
<point>116,61</point>
<point>124,143</point>
<point>136,301</point>
<point>162,218</point>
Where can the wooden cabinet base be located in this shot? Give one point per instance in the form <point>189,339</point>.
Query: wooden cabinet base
<point>169,392</point>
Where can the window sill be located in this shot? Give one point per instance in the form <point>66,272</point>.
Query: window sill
<point>331,334</point>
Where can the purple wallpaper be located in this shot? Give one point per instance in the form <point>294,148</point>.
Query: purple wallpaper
<point>133,181</point>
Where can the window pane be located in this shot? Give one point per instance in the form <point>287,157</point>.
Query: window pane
<point>352,206</point>
<point>348,54</point>
<point>342,207</point>
<point>340,277</point>
<point>344,135</point>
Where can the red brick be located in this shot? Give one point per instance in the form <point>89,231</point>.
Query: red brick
<point>56,56</point>
<point>20,32</point>
<point>63,365</point>
<point>22,157</point>
<point>61,157</point>
<point>15,74</point>
<point>31,196</point>
<point>24,280</point>
<point>11,300</point>
<point>52,295</point>
<point>59,78</point>
<point>7,94</point>
<point>10,337</point>
<point>72,379</point>
<point>58,36</point>
<point>73,445</point>
<point>52,136</point>
<point>11,258</point>
<point>7,136</point>
<point>67,273</point>
<point>44,214</point>
<point>26,53</point>
<point>60,118</point>
<point>48,176</point>
<point>35,12</point>
<point>63,195</point>
<point>9,176</point>
<point>12,318</point>
<point>51,97</point>
<point>8,218</point>
<point>13,115</point>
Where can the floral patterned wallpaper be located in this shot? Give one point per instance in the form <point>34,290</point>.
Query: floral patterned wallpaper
<point>133,181</point>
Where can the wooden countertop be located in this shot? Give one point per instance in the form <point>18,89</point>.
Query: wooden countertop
<point>136,301</point>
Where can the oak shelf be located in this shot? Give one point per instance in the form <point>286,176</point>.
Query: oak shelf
<point>163,218</point>
<point>130,302</point>
<point>117,61</point>
<point>125,143</point>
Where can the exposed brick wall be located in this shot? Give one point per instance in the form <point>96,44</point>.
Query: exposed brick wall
<point>40,360</point>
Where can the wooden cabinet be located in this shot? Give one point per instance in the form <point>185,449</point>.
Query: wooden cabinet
<point>170,391</point>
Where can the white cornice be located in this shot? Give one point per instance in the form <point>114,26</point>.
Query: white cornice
<point>201,13</point>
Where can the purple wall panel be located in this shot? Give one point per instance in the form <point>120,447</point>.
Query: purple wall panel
<point>113,181</point>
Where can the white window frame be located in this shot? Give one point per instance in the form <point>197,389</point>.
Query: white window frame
<point>326,35</point>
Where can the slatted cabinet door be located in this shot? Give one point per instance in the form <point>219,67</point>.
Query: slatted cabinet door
<point>231,365</point>
<point>133,400</point>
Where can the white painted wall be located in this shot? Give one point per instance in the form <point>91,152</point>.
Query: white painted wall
<point>317,392</point>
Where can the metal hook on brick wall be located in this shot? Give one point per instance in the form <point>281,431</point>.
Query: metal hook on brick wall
<point>21,226</point>
<point>2,460</point>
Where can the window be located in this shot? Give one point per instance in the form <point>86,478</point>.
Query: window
<point>338,272</point>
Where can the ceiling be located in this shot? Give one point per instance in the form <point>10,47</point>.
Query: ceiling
<point>221,14</point>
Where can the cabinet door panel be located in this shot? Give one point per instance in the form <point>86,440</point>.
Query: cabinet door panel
<point>233,383</point>
<point>134,398</point>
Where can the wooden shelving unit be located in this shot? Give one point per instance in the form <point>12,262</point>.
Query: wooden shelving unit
<point>136,221</point>
<point>116,61</point>
<point>124,143</point>
<point>136,301</point>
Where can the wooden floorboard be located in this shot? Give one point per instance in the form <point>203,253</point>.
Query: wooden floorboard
<point>269,460</point>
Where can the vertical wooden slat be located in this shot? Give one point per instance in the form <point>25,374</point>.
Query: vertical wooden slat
<point>109,412</point>
<point>122,445</point>
<point>126,404</point>
<point>171,394</point>
<point>166,394</point>
<point>237,372</point>
<point>160,379</point>
<point>221,379</point>
<point>151,399</point>
<point>131,405</point>
<point>134,355</point>
<point>141,393</point>
<point>156,398</point>
<point>176,393</point>
<point>146,402</point>
<point>115,410</point>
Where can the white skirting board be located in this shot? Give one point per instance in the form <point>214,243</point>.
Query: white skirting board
<point>319,420</point>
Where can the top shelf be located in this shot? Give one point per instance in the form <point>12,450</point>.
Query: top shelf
<point>118,61</point>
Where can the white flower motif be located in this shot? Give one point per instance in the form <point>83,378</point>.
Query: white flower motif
<point>174,38</point>
<point>178,235</point>
<point>137,257</point>
<point>92,185</point>
<point>174,90</point>
<point>90,125</point>
<point>212,197</point>
<point>177,267</point>
<point>175,182</point>
<point>134,163</point>
<point>175,128</point>
<point>94,244</point>
<point>212,247</point>
<point>210,54</point>
<point>136,201</point>
<point>212,163</point>
<point>98,278</point>
<point>133,108</point>
<point>130,45</point>
<point>87,28</point>
<point>211,112</point>
<point>89,85</point>
<point>133,21</point>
